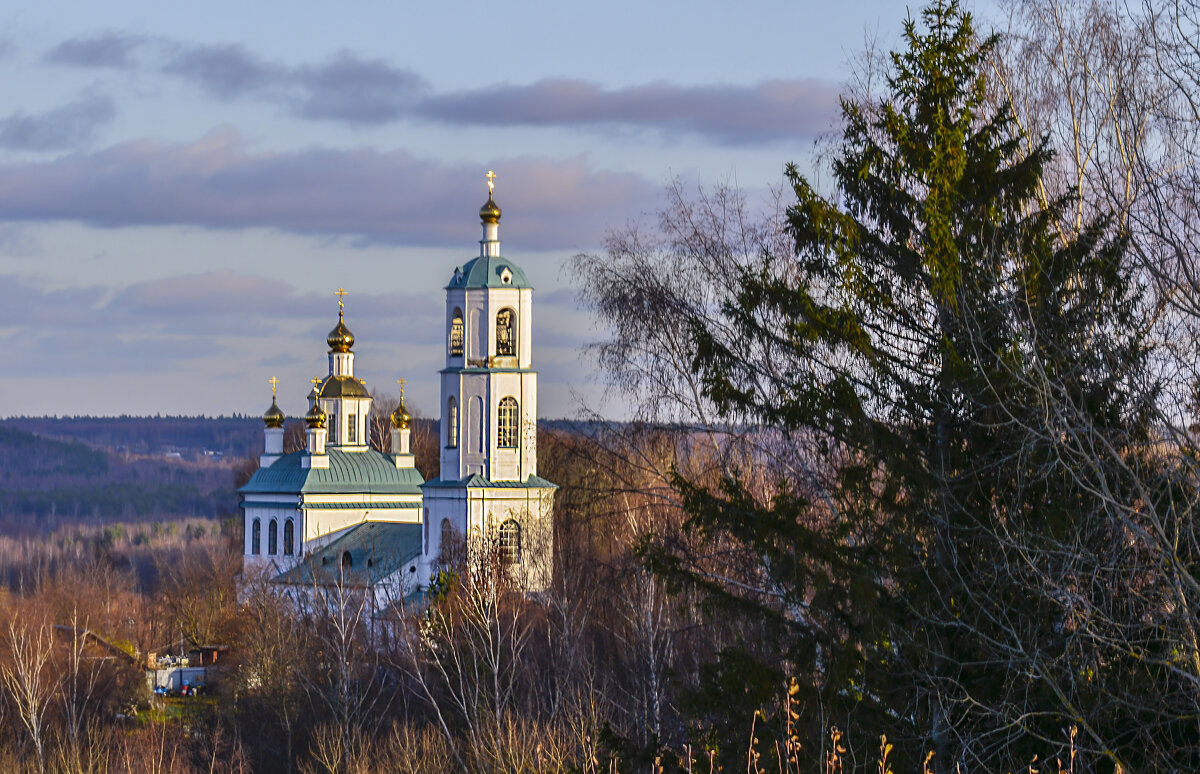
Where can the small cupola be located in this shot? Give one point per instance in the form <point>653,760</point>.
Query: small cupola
<point>400,417</point>
<point>401,435</point>
<point>315,418</point>
<point>274,416</point>
<point>489,213</point>
<point>340,339</point>
<point>489,216</point>
<point>273,419</point>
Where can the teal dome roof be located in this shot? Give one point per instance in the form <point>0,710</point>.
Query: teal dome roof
<point>489,272</point>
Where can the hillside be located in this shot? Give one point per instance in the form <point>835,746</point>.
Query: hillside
<point>188,436</point>
<point>46,482</point>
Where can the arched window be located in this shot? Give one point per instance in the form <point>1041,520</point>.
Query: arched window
<point>506,333</point>
<point>347,560</point>
<point>273,537</point>
<point>510,542</point>
<point>289,534</point>
<point>506,429</point>
<point>448,533</point>
<point>456,333</point>
<point>256,537</point>
<point>451,423</point>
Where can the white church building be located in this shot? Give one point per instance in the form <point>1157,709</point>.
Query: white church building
<point>340,511</point>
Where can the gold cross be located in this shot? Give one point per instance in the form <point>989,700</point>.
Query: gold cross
<point>491,177</point>
<point>401,381</point>
<point>341,294</point>
<point>273,382</point>
<point>316,384</point>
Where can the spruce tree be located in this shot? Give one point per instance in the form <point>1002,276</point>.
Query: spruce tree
<point>950,354</point>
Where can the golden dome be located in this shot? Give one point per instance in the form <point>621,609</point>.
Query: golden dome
<point>489,212</point>
<point>274,416</point>
<point>315,418</point>
<point>400,417</point>
<point>340,339</point>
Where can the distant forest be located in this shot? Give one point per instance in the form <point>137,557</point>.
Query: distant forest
<point>237,436</point>
<point>46,483</point>
<point>61,471</point>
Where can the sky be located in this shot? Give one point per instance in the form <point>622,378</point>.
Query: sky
<point>183,186</point>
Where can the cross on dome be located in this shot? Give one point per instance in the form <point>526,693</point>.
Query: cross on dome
<point>489,213</point>
<point>274,418</point>
<point>340,339</point>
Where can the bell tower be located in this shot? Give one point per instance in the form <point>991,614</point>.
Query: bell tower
<point>488,494</point>
<point>489,387</point>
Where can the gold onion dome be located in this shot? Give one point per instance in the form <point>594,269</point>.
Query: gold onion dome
<point>490,211</point>
<point>400,417</point>
<point>340,339</point>
<point>315,418</point>
<point>274,416</point>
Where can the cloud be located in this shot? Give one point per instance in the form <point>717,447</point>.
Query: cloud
<point>367,195</point>
<point>160,322</point>
<point>64,127</point>
<point>16,242</point>
<point>110,49</point>
<point>226,72</point>
<point>769,110</point>
<point>358,91</point>
<point>347,88</point>
<point>351,89</point>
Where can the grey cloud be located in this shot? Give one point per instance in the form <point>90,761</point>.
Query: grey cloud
<point>97,351</point>
<point>230,295</point>
<point>226,72</point>
<point>15,241</point>
<point>62,308</point>
<point>769,110</point>
<point>355,90</point>
<point>359,91</point>
<point>67,126</point>
<point>368,195</point>
<point>110,49</point>
<point>157,323</point>
<point>346,88</point>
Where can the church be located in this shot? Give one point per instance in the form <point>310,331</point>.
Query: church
<point>341,512</point>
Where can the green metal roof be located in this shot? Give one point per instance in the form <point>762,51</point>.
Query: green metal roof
<point>366,471</point>
<point>485,272</point>
<point>343,387</point>
<point>375,550</point>
<point>475,481</point>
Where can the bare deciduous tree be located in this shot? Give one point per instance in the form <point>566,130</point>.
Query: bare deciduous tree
<point>28,677</point>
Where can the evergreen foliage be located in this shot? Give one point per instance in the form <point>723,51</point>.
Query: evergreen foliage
<point>980,389</point>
